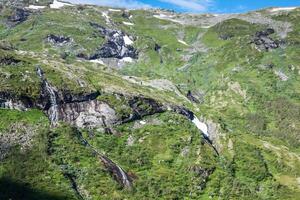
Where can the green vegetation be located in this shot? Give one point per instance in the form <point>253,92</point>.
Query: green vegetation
<point>255,109</point>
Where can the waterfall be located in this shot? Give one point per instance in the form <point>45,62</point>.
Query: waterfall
<point>201,126</point>
<point>125,180</point>
<point>120,175</point>
<point>53,110</point>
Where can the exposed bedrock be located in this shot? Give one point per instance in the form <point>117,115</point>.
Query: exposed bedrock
<point>58,40</point>
<point>118,45</point>
<point>264,42</point>
<point>18,16</point>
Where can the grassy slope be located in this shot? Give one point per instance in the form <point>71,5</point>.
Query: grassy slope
<point>270,107</point>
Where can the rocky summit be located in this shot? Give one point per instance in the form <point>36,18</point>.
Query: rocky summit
<point>109,103</point>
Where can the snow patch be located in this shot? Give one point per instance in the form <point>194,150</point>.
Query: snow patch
<point>33,7</point>
<point>114,10</point>
<point>128,23</point>
<point>183,42</point>
<point>57,4</point>
<point>282,9</point>
<point>98,61</point>
<point>127,59</point>
<point>167,17</point>
<point>107,18</point>
<point>127,40</point>
<point>201,126</point>
<point>142,122</point>
<point>205,26</point>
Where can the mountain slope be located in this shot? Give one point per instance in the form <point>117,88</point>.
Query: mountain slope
<point>103,103</point>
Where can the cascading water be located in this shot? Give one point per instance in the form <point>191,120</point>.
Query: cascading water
<point>53,110</point>
<point>120,175</point>
<point>201,126</point>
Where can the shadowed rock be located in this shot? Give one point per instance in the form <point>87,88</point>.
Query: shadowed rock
<point>19,15</point>
<point>118,45</point>
<point>264,42</point>
<point>59,39</point>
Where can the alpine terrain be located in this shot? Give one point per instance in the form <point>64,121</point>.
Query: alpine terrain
<point>108,103</point>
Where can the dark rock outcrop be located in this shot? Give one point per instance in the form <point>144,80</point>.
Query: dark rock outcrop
<point>9,61</point>
<point>10,101</point>
<point>18,16</point>
<point>141,107</point>
<point>265,43</point>
<point>117,45</point>
<point>226,36</point>
<point>203,174</point>
<point>196,97</point>
<point>157,47</point>
<point>58,39</point>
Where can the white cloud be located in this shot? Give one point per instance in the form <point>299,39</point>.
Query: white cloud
<point>191,5</point>
<point>133,4</point>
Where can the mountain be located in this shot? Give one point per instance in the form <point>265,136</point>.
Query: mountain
<point>109,103</point>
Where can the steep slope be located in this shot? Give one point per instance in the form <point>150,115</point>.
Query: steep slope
<point>102,103</point>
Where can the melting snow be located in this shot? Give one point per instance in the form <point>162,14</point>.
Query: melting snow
<point>183,42</point>
<point>127,40</point>
<point>33,7</point>
<point>107,18</point>
<point>201,126</point>
<point>127,59</point>
<point>97,61</point>
<point>166,17</point>
<point>282,9</point>
<point>56,4</point>
<point>128,23</point>
<point>142,122</point>
<point>114,10</point>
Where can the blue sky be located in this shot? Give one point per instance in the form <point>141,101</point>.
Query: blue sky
<point>196,6</point>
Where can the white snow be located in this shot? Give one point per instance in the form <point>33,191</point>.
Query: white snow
<point>33,7</point>
<point>114,10</point>
<point>142,122</point>
<point>183,42</point>
<point>127,40</point>
<point>107,18</point>
<point>282,9</point>
<point>98,61</point>
<point>57,4</point>
<point>167,17</point>
<point>201,126</point>
<point>128,23</point>
<point>205,26</point>
<point>116,34</point>
<point>127,59</point>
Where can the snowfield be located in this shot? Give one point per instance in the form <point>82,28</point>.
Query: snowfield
<point>183,42</point>
<point>33,7</point>
<point>128,23</point>
<point>127,40</point>
<point>282,9</point>
<point>57,4</point>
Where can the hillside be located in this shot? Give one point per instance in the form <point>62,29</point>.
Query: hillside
<point>109,103</point>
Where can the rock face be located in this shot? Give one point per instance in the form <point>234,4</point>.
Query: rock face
<point>203,174</point>
<point>118,45</point>
<point>58,39</point>
<point>141,107</point>
<point>264,42</point>
<point>19,15</point>
<point>196,97</point>
<point>88,114</point>
<point>8,61</point>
